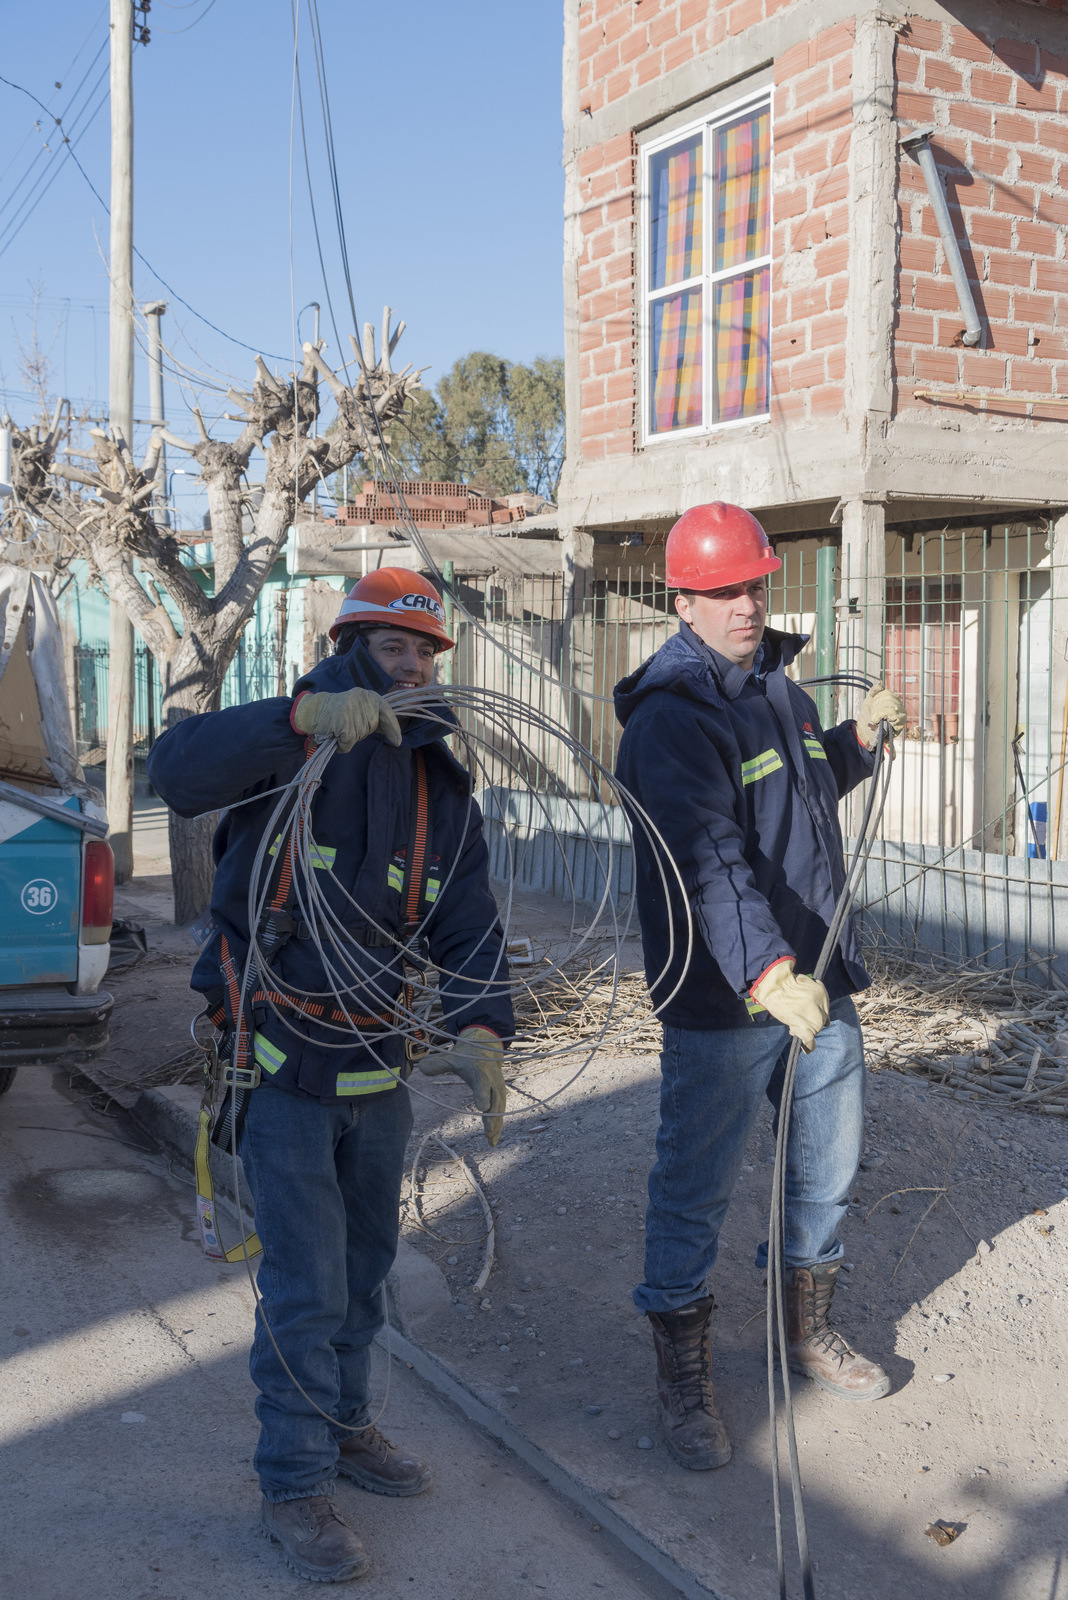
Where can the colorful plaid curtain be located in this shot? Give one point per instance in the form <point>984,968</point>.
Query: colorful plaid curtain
<point>677,214</point>
<point>743,190</point>
<point>676,375</point>
<point>740,310</point>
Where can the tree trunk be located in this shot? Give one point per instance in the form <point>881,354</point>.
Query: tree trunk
<point>192,684</point>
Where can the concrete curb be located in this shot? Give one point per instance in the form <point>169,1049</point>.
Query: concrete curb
<point>170,1116</point>
<point>566,1484</point>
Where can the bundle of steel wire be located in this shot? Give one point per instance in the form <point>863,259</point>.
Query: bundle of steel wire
<point>567,795</point>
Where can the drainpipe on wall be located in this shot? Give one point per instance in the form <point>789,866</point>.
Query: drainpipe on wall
<point>918,146</point>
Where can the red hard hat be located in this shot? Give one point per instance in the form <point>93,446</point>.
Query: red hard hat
<point>711,547</point>
<point>393,597</point>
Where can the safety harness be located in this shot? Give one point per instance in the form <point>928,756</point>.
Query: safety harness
<point>232,1068</point>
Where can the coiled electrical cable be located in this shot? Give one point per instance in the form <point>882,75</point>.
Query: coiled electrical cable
<point>502,735</point>
<point>878,790</point>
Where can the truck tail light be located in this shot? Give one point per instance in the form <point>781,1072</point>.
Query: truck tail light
<point>98,892</point>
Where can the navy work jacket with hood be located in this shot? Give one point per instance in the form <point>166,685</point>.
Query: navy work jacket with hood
<point>733,767</point>
<point>360,819</point>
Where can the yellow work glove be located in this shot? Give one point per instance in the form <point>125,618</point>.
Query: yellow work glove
<point>347,717</point>
<point>801,1004</point>
<point>880,705</point>
<point>476,1057</point>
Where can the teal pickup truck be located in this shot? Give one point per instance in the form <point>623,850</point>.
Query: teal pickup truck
<point>56,867</point>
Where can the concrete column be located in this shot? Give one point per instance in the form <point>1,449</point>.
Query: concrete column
<point>861,625</point>
<point>1057,836</point>
<point>872,240</point>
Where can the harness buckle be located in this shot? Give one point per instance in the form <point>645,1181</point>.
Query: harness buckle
<point>240,1077</point>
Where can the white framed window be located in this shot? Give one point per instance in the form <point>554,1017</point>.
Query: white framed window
<point>706,272</point>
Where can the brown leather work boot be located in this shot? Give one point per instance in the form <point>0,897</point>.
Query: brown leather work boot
<point>370,1460</point>
<point>692,1427</point>
<point>814,1348</point>
<point>315,1541</point>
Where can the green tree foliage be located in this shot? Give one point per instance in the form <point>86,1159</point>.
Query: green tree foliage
<point>496,424</point>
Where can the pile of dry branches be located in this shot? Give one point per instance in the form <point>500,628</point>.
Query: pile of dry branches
<point>583,1001</point>
<point>985,1034</point>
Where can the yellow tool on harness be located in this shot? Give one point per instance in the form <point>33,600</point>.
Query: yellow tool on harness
<point>206,1210</point>
<point>207,1217</point>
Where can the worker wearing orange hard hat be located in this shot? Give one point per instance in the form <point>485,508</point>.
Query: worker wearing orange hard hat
<point>727,757</point>
<point>402,864</point>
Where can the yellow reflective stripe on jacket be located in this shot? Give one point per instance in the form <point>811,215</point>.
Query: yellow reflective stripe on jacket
<point>267,1054</point>
<point>432,887</point>
<point>322,855</point>
<point>395,877</point>
<point>815,749</point>
<point>753,1008</point>
<point>761,766</point>
<point>366,1082</point>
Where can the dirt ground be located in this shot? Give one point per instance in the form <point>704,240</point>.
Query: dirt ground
<point>955,1282</point>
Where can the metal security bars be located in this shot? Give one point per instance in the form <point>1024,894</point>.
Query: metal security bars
<point>970,859</point>
<point>972,855</point>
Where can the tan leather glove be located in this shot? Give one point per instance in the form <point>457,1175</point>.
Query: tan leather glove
<point>347,717</point>
<point>801,1003</point>
<point>880,705</point>
<point>477,1058</point>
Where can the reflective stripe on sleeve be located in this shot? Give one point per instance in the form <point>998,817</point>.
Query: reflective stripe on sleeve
<point>366,1082</point>
<point>761,766</point>
<point>267,1054</point>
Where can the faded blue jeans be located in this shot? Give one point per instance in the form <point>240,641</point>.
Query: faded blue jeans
<point>326,1184</point>
<point>712,1085</point>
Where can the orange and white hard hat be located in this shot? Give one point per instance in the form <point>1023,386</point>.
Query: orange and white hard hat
<point>714,546</point>
<point>393,597</point>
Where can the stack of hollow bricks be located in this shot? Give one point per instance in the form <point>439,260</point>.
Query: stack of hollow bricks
<point>440,505</point>
<point>1001,104</point>
<point>1001,143</point>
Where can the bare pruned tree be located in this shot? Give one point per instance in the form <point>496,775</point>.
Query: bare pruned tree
<point>105,510</point>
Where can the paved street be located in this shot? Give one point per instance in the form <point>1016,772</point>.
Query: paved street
<point>126,1421</point>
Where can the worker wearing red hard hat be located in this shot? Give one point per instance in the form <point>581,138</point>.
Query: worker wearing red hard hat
<point>727,757</point>
<point>399,846</point>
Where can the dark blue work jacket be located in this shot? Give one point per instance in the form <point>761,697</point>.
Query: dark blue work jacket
<point>360,820</point>
<point>735,770</point>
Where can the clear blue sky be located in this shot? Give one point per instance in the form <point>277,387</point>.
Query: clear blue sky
<point>447,130</point>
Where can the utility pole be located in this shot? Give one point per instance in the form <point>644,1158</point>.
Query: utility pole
<point>120,410</point>
<point>315,422</point>
<point>156,416</point>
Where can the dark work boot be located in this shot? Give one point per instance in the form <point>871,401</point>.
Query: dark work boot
<point>814,1348</point>
<point>370,1460</point>
<point>316,1542</point>
<point>692,1427</point>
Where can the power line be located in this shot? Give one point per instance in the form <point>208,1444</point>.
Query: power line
<point>69,148</point>
<point>49,174</point>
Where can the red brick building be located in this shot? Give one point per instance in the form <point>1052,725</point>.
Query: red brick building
<point>760,306</point>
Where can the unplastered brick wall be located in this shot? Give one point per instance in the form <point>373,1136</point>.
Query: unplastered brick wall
<point>1001,145</point>
<point>810,270</point>
<point>810,185</point>
<point>623,44</point>
<point>607,178</point>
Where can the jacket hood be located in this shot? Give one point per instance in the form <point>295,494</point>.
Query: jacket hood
<point>686,666</point>
<point>334,674</point>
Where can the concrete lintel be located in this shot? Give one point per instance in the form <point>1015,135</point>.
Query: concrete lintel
<point>797,467</point>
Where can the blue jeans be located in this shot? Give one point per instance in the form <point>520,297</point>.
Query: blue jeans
<point>712,1084</point>
<point>326,1184</point>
